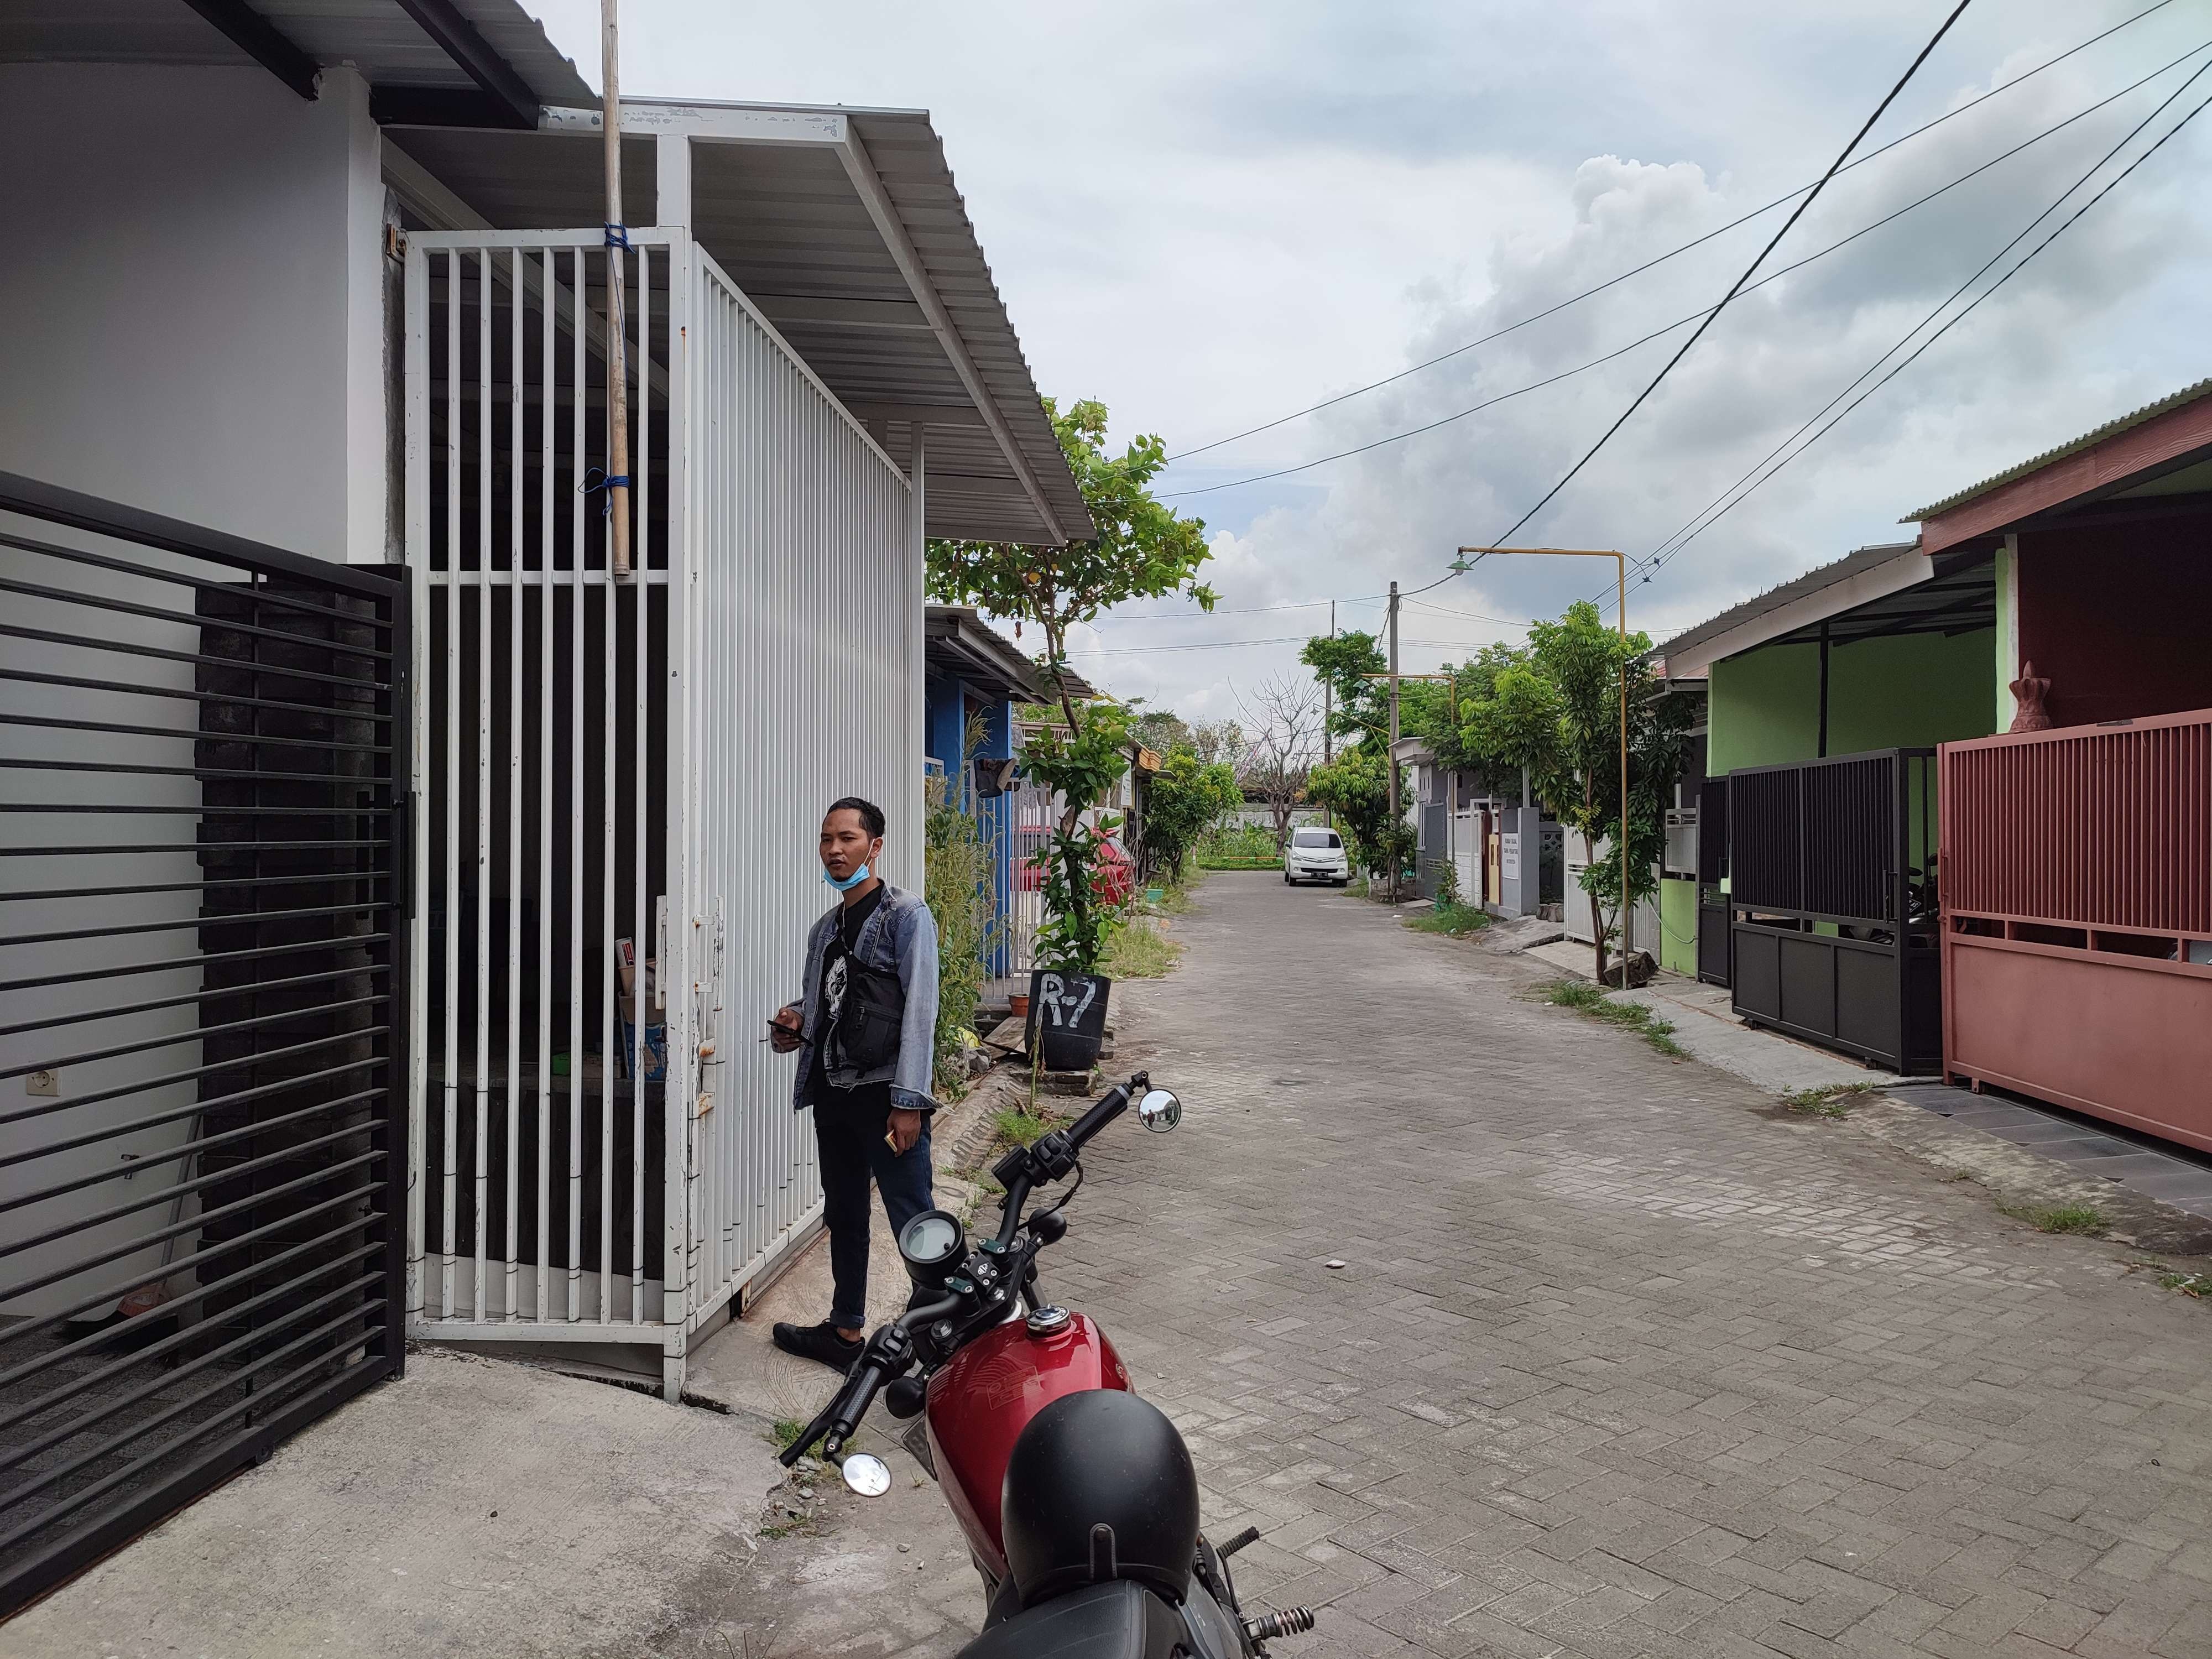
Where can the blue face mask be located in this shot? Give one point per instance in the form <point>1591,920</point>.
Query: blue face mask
<point>850,882</point>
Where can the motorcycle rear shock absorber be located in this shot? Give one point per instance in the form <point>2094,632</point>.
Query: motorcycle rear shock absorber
<point>1289,1622</point>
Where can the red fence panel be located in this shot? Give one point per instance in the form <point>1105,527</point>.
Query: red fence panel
<point>2075,875</point>
<point>2090,826</point>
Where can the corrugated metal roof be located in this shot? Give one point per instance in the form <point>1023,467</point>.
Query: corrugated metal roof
<point>787,224</point>
<point>2188,394</point>
<point>957,637</point>
<point>1826,576</point>
<point>379,38</point>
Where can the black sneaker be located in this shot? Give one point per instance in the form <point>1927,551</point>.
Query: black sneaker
<point>820,1343</point>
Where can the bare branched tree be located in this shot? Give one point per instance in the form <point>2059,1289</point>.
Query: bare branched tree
<point>1282,729</point>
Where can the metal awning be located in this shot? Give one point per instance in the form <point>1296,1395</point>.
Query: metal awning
<point>1875,593</point>
<point>484,62</point>
<point>844,227</point>
<point>956,639</point>
<point>1958,601</point>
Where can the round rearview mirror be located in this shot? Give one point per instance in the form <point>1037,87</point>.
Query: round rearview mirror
<point>871,1477</point>
<point>1159,1111</point>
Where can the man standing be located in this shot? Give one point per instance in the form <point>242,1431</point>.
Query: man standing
<point>865,1035</point>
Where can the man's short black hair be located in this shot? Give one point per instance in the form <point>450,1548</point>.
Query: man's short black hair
<point>872,815</point>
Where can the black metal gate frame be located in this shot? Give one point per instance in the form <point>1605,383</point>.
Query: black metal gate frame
<point>1830,839</point>
<point>286,1288</point>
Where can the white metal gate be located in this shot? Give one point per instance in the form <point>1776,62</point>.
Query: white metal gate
<point>620,779</point>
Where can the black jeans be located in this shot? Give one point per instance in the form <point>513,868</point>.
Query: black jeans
<point>850,1132</point>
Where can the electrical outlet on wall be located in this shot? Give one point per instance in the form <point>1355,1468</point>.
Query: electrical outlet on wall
<point>43,1082</point>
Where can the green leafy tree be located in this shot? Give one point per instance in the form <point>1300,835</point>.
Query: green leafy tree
<point>1347,663</point>
<point>1515,730</point>
<point>1161,729</point>
<point>1186,797</point>
<point>1356,788</point>
<point>1140,549</point>
<point>1582,664</point>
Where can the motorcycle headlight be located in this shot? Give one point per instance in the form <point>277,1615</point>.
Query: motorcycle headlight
<point>932,1245</point>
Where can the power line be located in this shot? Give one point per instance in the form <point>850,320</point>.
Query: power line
<point>1680,322</point>
<point>1737,493</point>
<point>1796,213</point>
<point>1242,610</point>
<point>1698,241</point>
<point>1231,645</point>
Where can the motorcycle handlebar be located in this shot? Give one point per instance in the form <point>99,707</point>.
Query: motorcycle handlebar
<point>1109,1106</point>
<point>835,1425</point>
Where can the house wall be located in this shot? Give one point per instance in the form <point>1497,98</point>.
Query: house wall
<point>195,298</point>
<point>1678,926</point>
<point>2116,617</point>
<point>1902,692</point>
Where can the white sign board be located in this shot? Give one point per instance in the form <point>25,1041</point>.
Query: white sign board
<point>1509,856</point>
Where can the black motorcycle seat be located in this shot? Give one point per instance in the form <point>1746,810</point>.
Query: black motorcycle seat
<point>1116,1620</point>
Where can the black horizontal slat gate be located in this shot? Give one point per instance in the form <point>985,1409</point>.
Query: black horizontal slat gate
<point>203,1087</point>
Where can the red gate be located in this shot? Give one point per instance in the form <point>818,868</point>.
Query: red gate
<point>2077,881</point>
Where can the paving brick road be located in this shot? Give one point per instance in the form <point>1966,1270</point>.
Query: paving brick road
<point>1620,1362</point>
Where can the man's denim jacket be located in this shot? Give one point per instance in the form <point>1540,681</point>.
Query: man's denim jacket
<point>900,937</point>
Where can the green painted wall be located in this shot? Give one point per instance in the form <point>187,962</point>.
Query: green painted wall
<point>1678,927</point>
<point>1763,708</point>
<point>1912,691</point>
<point>1905,692</point>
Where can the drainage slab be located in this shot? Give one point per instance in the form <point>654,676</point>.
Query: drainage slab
<point>2174,1176</point>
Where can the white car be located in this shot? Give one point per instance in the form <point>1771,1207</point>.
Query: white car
<point>1316,855</point>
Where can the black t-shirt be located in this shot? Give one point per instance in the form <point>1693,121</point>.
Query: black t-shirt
<point>873,1097</point>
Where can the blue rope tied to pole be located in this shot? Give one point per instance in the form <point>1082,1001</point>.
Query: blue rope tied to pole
<point>596,479</point>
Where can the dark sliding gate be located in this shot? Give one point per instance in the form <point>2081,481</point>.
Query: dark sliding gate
<point>203,1092</point>
<point>1832,900</point>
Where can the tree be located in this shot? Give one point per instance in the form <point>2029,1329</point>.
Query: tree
<point>1347,665</point>
<point>1160,729</point>
<point>1140,549</point>
<point>1187,794</point>
<point>1284,718</point>
<point>1356,788</point>
<point>1516,728</point>
<point>1560,716</point>
<point>1218,740</point>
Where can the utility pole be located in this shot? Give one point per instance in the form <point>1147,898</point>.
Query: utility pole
<point>618,483</point>
<point>1392,841</point>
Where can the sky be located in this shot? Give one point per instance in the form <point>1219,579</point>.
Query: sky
<point>1212,217</point>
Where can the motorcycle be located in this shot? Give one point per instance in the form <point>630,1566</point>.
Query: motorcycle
<point>1079,1500</point>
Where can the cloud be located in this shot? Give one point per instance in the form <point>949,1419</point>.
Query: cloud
<point>1209,217</point>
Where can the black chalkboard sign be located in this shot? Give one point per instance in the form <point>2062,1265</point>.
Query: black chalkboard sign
<point>1067,1018</point>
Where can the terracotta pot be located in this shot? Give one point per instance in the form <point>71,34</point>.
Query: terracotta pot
<point>1020,1004</point>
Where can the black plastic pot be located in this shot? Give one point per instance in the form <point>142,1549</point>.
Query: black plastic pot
<point>1067,1018</point>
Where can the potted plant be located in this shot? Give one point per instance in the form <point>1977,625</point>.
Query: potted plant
<point>1139,550</point>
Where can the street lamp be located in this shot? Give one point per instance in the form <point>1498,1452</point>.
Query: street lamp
<point>1463,564</point>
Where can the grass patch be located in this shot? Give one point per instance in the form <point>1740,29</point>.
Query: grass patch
<point>2085,1219</point>
<point>1589,999</point>
<point>1020,1128</point>
<point>1453,921</point>
<point>1239,861</point>
<point>1176,898</point>
<point>785,1432</point>
<point>2197,1285</point>
<point>1831,1100</point>
<point>1137,950</point>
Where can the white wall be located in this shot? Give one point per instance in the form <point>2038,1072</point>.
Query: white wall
<point>193,297</point>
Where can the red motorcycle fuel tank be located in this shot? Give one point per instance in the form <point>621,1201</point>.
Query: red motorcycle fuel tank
<point>984,1397</point>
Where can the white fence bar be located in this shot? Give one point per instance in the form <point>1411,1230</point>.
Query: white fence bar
<point>686,728</point>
